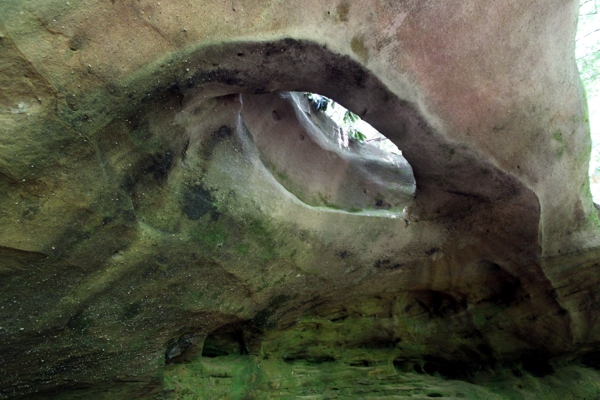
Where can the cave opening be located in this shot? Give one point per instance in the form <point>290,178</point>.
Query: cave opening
<point>327,156</point>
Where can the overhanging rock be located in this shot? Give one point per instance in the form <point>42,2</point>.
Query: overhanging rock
<point>142,212</point>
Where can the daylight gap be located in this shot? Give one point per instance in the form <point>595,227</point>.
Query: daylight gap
<point>328,157</point>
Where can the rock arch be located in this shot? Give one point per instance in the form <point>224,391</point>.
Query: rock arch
<point>138,215</point>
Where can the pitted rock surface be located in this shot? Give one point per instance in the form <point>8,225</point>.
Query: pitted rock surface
<point>154,216</point>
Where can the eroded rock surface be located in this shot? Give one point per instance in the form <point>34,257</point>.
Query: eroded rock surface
<point>146,221</point>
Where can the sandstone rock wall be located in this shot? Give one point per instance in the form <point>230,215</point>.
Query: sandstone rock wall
<point>139,216</point>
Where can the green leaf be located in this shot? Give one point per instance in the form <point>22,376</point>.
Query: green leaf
<point>350,117</point>
<point>356,135</point>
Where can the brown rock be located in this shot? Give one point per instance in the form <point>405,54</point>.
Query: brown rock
<point>142,211</point>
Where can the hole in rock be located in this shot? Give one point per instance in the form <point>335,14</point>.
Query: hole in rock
<point>450,369</point>
<point>404,366</point>
<point>360,363</point>
<point>537,366</point>
<point>327,156</point>
<point>223,342</point>
<point>591,360</point>
<point>417,368</point>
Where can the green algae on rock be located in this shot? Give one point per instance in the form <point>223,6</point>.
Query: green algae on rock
<point>157,240</point>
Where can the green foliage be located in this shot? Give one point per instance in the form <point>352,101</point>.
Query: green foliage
<point>321,103</point>
<point>349,120</point>
<point>356,135</point>
<point>318,102</point>
<point>350,117</point>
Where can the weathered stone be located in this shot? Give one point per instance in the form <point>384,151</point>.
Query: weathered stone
<point>142,225</point>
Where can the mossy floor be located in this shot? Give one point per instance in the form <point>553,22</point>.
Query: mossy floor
<point>248,377</point>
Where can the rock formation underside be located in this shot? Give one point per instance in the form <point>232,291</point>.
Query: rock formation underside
<point>177,220</point>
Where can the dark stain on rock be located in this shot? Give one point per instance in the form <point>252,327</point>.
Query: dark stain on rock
<point>185,149</point>
<point>387,264</point>
<point>341,71</point>
<point>216,137</point>
<point>79,322</point>
<point>343,9</point>
<point>175,89</point>
<point>223,132</point>
<point>439,304</point>
<point>230,77</point>
<point>113,89</point>
<point>69,239</point>
<point>275,48</point>
<point>31,211</point>
<point>127,217</point>
<point>214,216</point>
<point>562,312</point>
<point>71,364</point>
<point>197,201</point>
<point>432,251</point>
<point>131,310</point>
<point>159,165</point>
<point>357,44</point>
<point>504,286</point>
<point>263,318</point>
<point>382,204</point>
<point>72,102</point>
<point>77,42</point>
<point>268,58</point>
